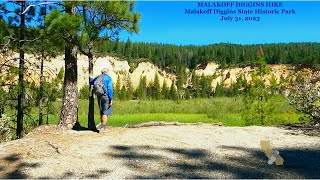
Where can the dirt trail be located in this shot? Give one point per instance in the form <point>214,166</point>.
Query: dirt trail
<point>188,151</point>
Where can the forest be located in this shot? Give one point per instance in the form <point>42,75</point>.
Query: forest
<point>226,54</point>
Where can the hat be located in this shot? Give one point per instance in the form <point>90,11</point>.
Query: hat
<point>106,69</point>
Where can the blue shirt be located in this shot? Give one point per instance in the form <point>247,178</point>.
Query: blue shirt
<point>107,83</point>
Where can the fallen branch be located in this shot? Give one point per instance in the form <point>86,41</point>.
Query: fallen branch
<point>57,148</point>
<point>161,123</point>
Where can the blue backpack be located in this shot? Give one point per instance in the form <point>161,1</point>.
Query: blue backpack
<point>98,87</point>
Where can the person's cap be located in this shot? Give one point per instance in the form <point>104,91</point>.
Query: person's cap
<point>106,69</point>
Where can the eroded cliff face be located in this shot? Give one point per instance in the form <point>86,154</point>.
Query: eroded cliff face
<point>121,69</point>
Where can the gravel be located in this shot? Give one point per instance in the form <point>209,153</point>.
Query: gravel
<point>185,151</point>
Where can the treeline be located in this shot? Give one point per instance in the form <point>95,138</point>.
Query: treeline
<point>226,54</point>
<point>198,87</point>
<point>175,57</point>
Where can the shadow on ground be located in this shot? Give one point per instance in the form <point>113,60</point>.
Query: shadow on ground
<point>78,127</point>
<point>150,162</point>
<point>301,128</point>
<point>238,163</point>
<point>12,167</point>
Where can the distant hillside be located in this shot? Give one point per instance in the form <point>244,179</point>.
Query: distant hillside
<point>226,54</point>
<point>124,73</point>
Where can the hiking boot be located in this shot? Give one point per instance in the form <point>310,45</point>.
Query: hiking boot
<point>99,126</point>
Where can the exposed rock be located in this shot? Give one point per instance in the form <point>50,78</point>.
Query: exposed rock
<point>121,70</point>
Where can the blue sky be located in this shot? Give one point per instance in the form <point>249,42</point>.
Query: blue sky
<point>166,22</point>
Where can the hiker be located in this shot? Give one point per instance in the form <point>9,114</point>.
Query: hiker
<point>105,97</point>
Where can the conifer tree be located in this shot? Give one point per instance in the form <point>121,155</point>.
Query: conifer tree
<point>142,88</point>
<point>117,88</point>
<point>157,87</point>
<point>81,29</point>
<point>128,50</point>
<point>258,99</point>
<point>123,93</point>
<point>173,92</point>
<point>129,88</point>
<point>187,94</point>
<point>18,20</point>
<point>165,90</point>
<point>118,48</point>
<point>219,91</point>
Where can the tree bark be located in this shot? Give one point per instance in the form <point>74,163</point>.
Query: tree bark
<point>69,111</point>
<point>91,123</point>
<point>41,76</point>
<point>21,71</point>
<point>41,88</point>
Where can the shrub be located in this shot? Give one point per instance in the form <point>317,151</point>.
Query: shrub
<point>260,97</point>
<point>84,92</point>
<point>305,97</point>
<point>6,132</point>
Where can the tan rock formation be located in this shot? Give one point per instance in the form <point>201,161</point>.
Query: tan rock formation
<point>121,70</point>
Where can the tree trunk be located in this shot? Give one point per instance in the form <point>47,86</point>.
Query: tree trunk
<point>41,88</point>
<point>69,111</point>
<point>1,111</point>
<point>91,123</point>
<point>21,71</point>
<point>41,76</point>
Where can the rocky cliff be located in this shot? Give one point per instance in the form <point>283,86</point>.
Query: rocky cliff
<point>121,69</point>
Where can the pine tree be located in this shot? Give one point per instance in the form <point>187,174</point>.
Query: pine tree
<point>157,88</point>
<point>129,87</point>
<point>128,50</point>
<point>187,94</point>
<point>173,92</point>
<point>117,88</point>
<point>205,87</point>
<point>142,88</point>
<point>258,99</point>
<point>219,91</point>
<point>165,90</point>
<point>18,18</point>
<point>123,93</point>
<point>118,48</point>
<point>97,17</point>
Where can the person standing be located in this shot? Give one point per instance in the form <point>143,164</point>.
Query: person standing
<point>105,100</point>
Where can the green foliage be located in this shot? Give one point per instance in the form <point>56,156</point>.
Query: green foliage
<point>157,88</point>
<point>187,94</point>
<point>205,86</point>
<point>4,31</point>
<point>58,22</point>
<point>129,90</point>
<point>219,92</point>
<point>239,87</point>
<point>260,98</point>
<point>305,97</point>
<point>6,131</point>
<point>173,94</point>
<point>167,55</point>
<point>142,88</point>
<point>123,93</point>
<point>84,92</point>
<point>165,90</point>
<point>223,109</point>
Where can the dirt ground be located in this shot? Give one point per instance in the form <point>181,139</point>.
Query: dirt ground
<point>184,151</point>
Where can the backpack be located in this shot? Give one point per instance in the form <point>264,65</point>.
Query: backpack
<point>98,87</point>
